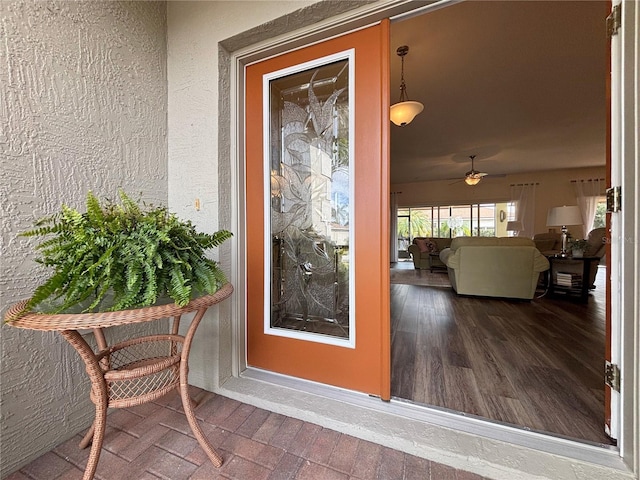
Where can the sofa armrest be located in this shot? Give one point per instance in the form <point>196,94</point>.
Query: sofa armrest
<point>540,262</point>
<point>414,250</point>
<point>445,257</point>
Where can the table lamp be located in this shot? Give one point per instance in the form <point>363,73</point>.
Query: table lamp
<point>561,217</point>
<point>514,226</point>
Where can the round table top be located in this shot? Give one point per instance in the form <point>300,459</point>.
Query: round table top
<point>80,321</point>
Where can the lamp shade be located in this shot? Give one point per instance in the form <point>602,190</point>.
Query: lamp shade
<point>403,113</point>
<point>514,226</point>
<point>565,215</point>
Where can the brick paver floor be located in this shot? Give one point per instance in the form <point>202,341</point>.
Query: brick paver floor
<point>154,441</point>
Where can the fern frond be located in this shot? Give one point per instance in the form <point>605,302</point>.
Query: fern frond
<point>214,240</point>
<point>204,277</point>
<point>179,290</point>
<point>130,298</point>
<point>54,242</point>
<point>220,277</point>
<point>128,204</point>
<point>72,216</point>
<point>53,285</point>
<point>95,214</point>
<point>99,297</point>
<point>43,230</point>
<point>52,219</point>
<point>73,299</point>
<point>150,291</point>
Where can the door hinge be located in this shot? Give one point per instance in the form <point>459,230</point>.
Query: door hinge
<point>614,199</point>
<point>614,20</point>
<point>612,375</point>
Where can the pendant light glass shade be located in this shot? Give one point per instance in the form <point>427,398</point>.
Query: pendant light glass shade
<point>403,112</point>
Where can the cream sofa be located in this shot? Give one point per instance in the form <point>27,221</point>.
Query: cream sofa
<point>506,267</point>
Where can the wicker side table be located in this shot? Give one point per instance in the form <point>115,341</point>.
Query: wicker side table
<point>132,372</point>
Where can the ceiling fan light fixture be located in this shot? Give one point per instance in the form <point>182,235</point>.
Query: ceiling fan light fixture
<point>473,177</point>
<point>403,112</point>
<point>472,180</point>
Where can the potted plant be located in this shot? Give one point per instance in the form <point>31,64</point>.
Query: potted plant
<point>578,247</point>
<point>118,256</point>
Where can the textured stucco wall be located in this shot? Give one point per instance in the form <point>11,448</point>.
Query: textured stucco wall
<point>83,94</point>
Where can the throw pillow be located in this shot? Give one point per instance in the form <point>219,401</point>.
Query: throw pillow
<point>422,244</point>
<point>431,246</point>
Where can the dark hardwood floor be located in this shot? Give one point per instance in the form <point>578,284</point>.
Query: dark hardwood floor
<point>535,364</point>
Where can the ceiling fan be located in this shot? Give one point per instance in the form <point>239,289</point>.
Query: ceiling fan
<point>473,177</point>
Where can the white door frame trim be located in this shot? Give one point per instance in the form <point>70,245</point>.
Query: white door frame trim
<point>460,441</point>
<point>627,73</point>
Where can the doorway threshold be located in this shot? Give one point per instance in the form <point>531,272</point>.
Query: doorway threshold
<point>469,443</point>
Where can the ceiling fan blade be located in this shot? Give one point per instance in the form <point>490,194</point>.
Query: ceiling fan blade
<point>474,174</point>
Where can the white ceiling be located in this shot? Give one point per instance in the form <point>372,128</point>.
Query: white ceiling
<point>519,84</point>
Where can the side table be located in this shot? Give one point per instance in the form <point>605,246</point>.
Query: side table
<point>436,256</point>
<point>132,372</point>
<point>581,290</point>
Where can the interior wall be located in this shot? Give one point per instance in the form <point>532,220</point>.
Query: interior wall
<point>554,189</point>
<point>83,107</point>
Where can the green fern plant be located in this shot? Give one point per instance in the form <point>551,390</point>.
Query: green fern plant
<point>120,256</point>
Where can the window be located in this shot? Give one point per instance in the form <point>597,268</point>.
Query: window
<point>404,233</point>
<point>600,220</point>
<point>477,220</point>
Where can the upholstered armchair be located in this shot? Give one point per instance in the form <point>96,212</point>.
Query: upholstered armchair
<point>597,240</point>
<point>548,243</point>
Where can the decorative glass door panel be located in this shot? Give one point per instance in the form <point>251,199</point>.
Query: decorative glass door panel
<point>307,128</point>
<point>317,223</point>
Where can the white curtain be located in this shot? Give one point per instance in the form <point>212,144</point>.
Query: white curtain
<point>393,231</point>
<point>524,197</point>
<point>588,193</point>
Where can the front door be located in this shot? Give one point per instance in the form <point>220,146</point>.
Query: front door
<point>317,225</point>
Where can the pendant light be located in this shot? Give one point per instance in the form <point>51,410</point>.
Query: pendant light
<point>403,112</point>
